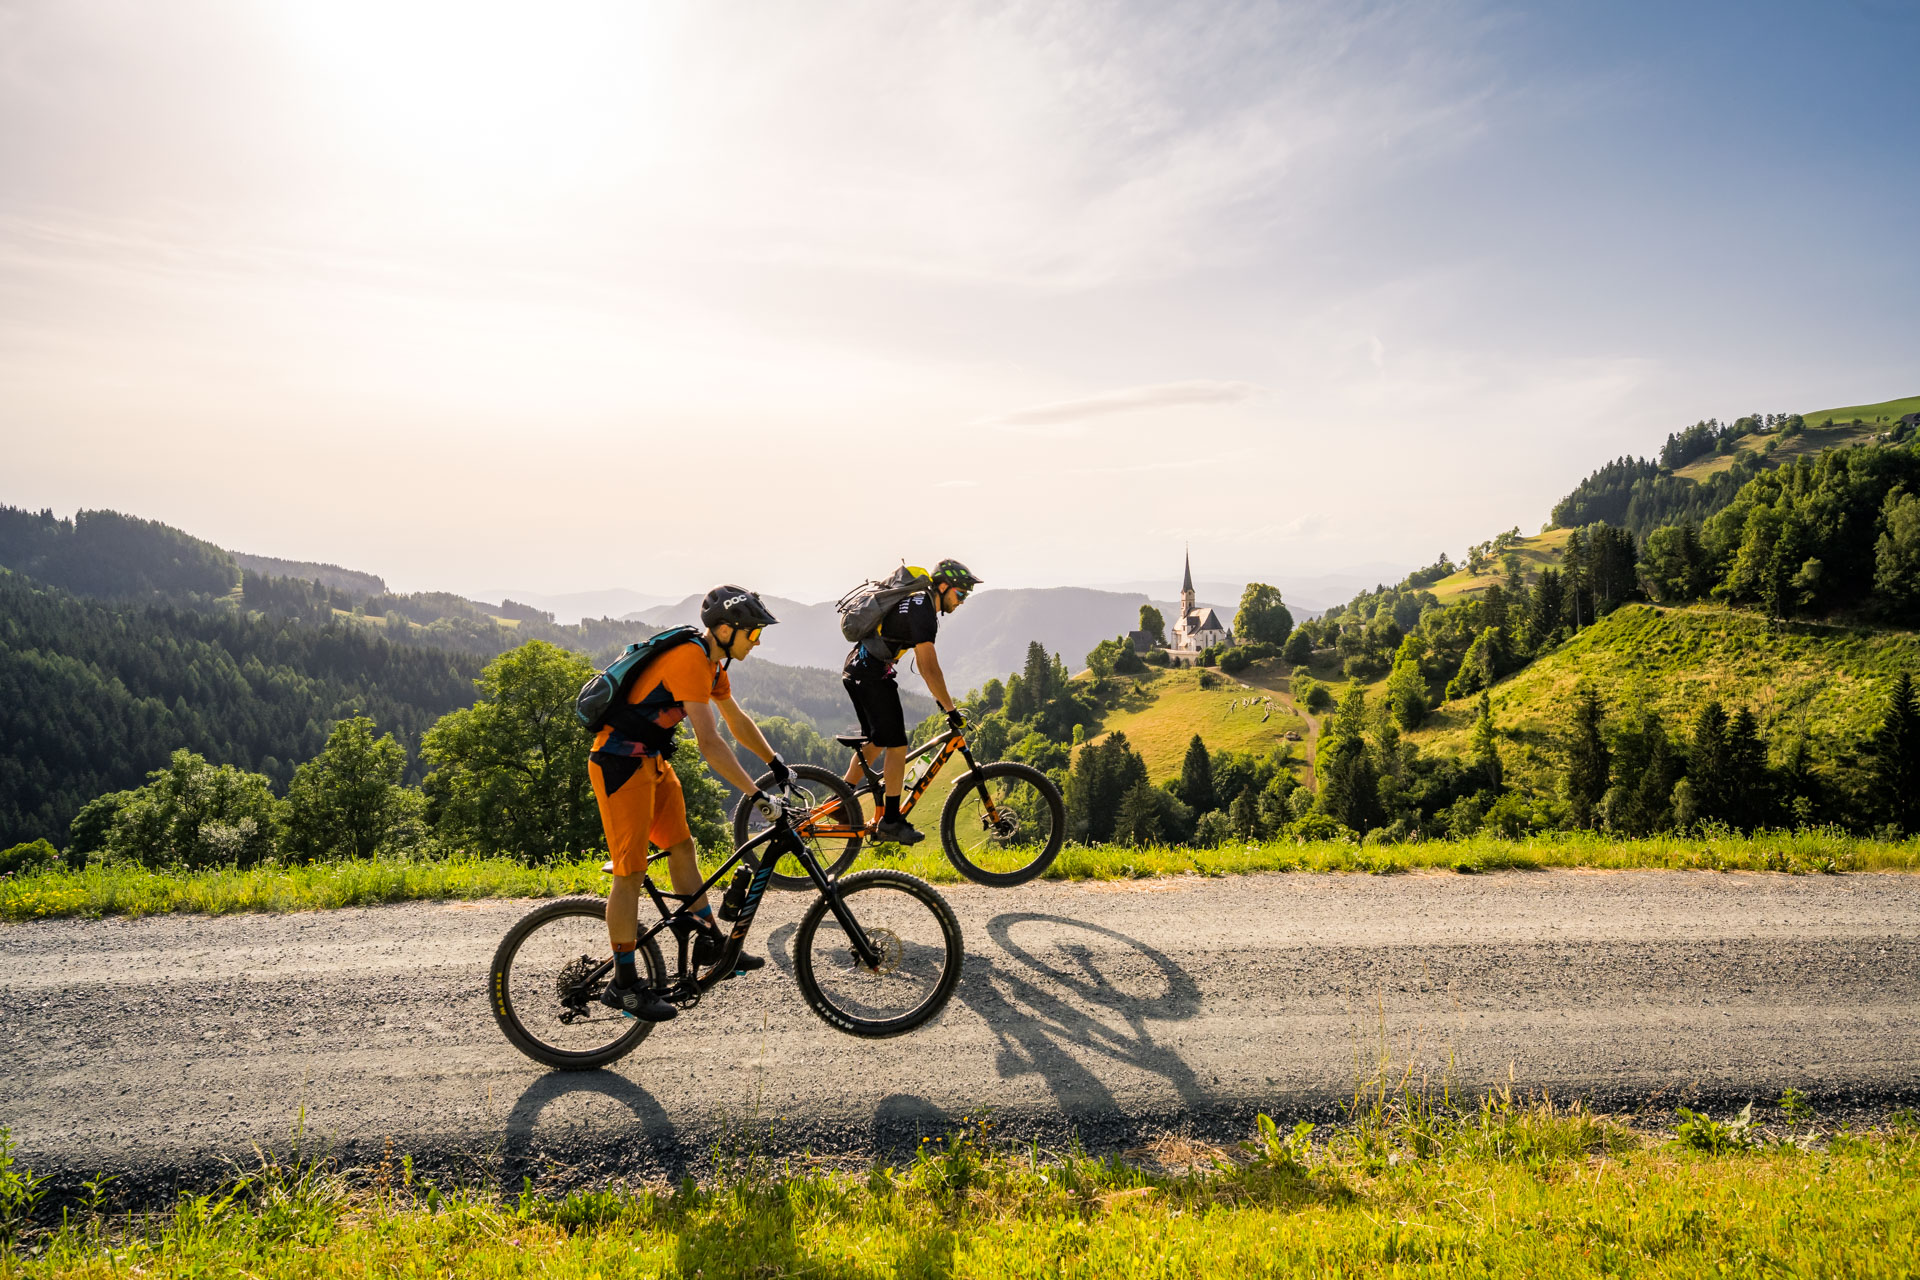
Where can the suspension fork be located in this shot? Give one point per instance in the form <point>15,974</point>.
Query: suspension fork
<point>986,794</point>
<point>830,890</point>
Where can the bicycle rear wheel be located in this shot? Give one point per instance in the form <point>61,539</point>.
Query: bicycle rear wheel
<point>917,936</point>
<point>543,998</point>
<point>827,799</point>
<point>1004,824</point>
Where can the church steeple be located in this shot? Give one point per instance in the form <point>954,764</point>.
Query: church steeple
<point>1186,587</point>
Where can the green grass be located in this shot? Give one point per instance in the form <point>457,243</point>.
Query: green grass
<point>1404,1188</point>
<point>1891,410</point>
<point>1171,707</point>
<point>133,891</point>
<point>1541,551</point>
<point>1829,682</point>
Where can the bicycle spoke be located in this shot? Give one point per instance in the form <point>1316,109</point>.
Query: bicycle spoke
<point>553,991</point>
<point>913,947</point>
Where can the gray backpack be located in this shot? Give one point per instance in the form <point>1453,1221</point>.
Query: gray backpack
<point>862,608</point>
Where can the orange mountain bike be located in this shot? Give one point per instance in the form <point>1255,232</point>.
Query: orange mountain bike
<point>1003,823</point>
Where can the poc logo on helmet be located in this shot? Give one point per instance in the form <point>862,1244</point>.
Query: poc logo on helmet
<point>732,601</point>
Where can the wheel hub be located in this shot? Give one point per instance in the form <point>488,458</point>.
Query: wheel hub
<point>887,945</point>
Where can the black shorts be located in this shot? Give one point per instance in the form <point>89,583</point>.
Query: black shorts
<point>876,700</point>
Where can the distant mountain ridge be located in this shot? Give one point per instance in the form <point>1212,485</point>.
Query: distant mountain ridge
<point>330,575</point>
<point>986,637</point>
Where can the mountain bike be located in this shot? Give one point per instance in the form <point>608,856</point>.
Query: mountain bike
<point>1003,823</point>
<point>878,953</point>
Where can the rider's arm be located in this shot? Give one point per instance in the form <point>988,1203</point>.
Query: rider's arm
<point>745,731</point>
<point>929,663</point>
<point>706,732</point>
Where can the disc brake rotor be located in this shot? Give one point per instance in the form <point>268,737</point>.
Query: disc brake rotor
<point>887,945</point>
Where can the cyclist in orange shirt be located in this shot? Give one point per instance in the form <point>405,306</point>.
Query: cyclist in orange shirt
<point>640,799</point>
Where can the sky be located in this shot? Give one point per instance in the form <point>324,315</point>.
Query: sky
<point>559,297</point>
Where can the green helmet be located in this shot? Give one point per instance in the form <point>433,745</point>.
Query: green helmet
<point>954,574</point>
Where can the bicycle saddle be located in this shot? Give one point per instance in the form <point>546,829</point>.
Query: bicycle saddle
<point>855,740</point>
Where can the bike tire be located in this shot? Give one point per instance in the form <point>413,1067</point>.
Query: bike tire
<point>819,783</point>
<point>507,997</point>
<point>1011,773</point>
<point>834,1011</point>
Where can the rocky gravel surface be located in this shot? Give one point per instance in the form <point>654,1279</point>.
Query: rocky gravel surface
<point>166,1049</point>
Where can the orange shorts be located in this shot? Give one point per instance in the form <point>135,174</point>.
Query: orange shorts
<point>646,808</point>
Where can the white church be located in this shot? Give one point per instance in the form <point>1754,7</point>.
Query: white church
<point>1193,630</point>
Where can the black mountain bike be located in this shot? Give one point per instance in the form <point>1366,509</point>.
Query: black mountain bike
<point>877,955</point>
<point>1002,825</point>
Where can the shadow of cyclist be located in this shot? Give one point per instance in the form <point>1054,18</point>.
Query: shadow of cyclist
<point>1050,1005</point>
<point>593,1138</point>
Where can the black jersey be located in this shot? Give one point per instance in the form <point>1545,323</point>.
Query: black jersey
<point>914,621</point>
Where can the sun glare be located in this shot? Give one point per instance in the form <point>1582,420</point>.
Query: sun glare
<point>490,98</point>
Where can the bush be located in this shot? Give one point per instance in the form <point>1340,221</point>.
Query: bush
<point>1208,680</point>
<point>1312,694</point>
<point>1214,828</point>
<point>1316,826</point>
<point>1156,658</point>
<point>195,814</point>
<point>34,855</point>
<point>1242,656</point>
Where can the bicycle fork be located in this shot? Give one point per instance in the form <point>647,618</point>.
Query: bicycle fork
<point>830,890</point>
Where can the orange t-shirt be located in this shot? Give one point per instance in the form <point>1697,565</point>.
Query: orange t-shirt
<point>664,686</point>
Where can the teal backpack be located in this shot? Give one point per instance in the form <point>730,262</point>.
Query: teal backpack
<point>602,697</point>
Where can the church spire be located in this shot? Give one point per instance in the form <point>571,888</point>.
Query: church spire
<point>1186,585</point>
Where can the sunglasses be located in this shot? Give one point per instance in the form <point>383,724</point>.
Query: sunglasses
<point>752,635</point>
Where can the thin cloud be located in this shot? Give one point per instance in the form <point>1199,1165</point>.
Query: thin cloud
<point>1159,395</point>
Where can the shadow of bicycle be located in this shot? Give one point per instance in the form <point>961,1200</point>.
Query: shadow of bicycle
<point>596,1123</point>
<point>1058,992</point>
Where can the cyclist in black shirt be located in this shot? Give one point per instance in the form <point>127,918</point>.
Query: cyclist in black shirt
<point>868,675</point>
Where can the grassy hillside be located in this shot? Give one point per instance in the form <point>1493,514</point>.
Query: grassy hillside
<point>1775,450</point>
<point>1536,553</point>
<point>1172,707</point>
<point>1827,682</point>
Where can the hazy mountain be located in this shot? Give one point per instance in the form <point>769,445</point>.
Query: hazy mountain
<point>327,575</point>
<point>572,606</point>
<point>986,637</point>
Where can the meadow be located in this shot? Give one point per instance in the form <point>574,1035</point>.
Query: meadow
<point>101,891</point>
<point>1408,1185</point>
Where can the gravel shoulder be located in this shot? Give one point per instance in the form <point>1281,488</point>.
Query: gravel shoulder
<point>166,1048</point>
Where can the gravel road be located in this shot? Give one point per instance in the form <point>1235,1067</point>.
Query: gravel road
<point>165,1048</point>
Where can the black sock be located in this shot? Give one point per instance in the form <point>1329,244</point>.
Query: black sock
<point>623,971</point>
<point>893,809</point>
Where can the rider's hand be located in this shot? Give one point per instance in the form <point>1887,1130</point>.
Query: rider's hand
<point>956,719</point>
<point>771,807</point>
<point>782,776</point>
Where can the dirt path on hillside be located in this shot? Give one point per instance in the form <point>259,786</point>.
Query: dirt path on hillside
<point>1281,687</point>
<point>163,1048</point>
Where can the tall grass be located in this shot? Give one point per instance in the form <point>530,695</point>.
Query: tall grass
<point>134,891</point>
<point>1497,1188</point>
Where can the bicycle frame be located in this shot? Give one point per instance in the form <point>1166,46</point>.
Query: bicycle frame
<point>946,743</point>
<point>679,919</point>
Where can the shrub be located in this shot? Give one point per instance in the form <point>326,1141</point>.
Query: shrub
<point>34,855</point>
<point>1214,828</point>
<point>195,814</point>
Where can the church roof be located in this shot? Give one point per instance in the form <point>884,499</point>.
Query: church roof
<point>1208,621</point>
<point>1186,583</point>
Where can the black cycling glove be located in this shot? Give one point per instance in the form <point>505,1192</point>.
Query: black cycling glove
<point>782,776</point>
<point>956,719</point>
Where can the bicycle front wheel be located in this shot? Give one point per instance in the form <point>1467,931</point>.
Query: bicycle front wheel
<point>543,994</point>
<point>918,939</point>
<point>832,824</point>
<point>1004,824</point>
